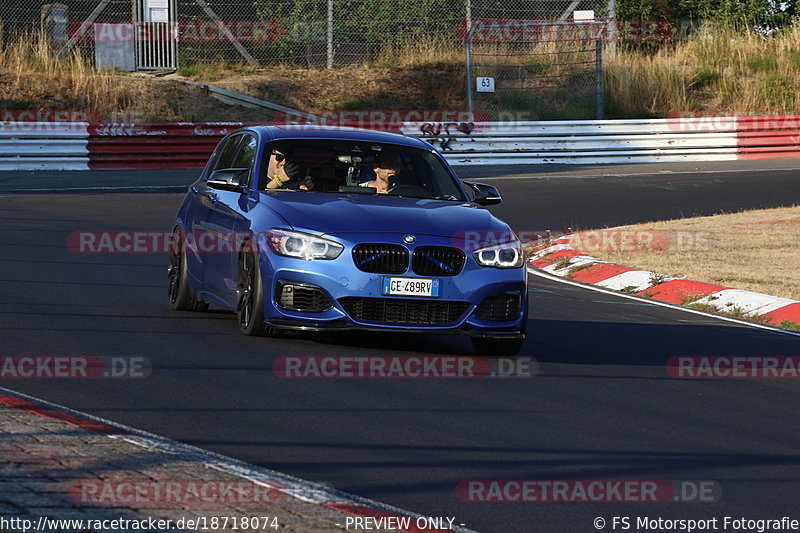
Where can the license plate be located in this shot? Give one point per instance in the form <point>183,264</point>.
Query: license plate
<point>410,287</point>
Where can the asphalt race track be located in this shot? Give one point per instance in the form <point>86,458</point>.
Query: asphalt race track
<point>601,406</point>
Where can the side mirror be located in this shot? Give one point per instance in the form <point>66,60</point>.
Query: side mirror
<point>483,194</point>
<point>229,178</point>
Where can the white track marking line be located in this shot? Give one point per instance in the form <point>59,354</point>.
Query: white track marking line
<point>533,174</point>
<point>538,272</point>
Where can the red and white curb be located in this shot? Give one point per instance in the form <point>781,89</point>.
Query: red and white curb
<point>560,259</point>
<point>306,491</point>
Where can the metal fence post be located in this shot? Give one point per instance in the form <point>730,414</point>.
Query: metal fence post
<point>599,81</point>
<point>612,28</point>
<point>468,58</point>
<point>330,34</point>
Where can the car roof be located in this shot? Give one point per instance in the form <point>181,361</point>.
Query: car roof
<point>279,133</point>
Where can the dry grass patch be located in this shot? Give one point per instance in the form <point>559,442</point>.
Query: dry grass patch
<point>364,87</point>
<point>755,250</point>
<point>716,70</point>
<point>31,78</point>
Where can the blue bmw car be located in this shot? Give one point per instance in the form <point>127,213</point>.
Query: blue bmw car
<point>325,229</point>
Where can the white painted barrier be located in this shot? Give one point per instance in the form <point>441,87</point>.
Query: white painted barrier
<point>68,146</point>
<point>582,141</point>
<point>44,146</point>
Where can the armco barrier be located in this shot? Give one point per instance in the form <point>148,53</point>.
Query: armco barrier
<point>81,146</point>
<point>154,145</point>
<point>691,138</point>
<point>44,146</point>
<point>769,137</point>
<point>580,141</point>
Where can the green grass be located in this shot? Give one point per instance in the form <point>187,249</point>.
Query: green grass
<point>794,59</point>
<point>690,297</point>
<point>763,63</point>
<point>215,69</point>
<point>535,67</point>
<point>717,69</point>
<point>578,268</point>
<point>354,104</point>
<point>708,308</point>
<point>563,262</point>
<point>733,311</point>
<point>788,324</point>
<point>705,78</point>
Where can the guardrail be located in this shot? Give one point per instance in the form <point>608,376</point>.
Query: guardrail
<point>82,146</point>
<point>586,141</point>
<point>693,138</point>
<point>157,145</point>
<point>44,146</point>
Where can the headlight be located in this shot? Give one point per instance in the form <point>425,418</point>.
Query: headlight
<point>506,255</point>
<point>302,245</point>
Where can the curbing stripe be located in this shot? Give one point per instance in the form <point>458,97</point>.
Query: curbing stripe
<point>774,309</point>
<point>50,411</point>
<point>551,249</point>
<point>789,313</point>
<point>539,272</point>
<point>578,260</point>
<point>299,488</point>
<point>555,256</point>
<point>635,280</point>
<point>599,272</point>
<point>752,303</point>
<point>677,291</point>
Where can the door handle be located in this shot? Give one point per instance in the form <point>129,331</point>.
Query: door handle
<point>212,196</point>
<point>194,189</point>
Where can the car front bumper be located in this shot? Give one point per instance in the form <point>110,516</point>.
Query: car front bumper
<point>340,278</point>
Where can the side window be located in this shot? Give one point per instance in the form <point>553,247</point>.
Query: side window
<point>246,156</point>
<point>212,161</point>
<point>227,152</point>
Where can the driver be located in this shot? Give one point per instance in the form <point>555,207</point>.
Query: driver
<point>387,167</point>
<point>280,170</point>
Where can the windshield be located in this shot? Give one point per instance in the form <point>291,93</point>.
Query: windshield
<point>358,168</point>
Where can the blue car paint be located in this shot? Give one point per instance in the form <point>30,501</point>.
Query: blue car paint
<point>349,219</point>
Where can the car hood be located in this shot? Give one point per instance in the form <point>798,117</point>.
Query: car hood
<point>339,214</point>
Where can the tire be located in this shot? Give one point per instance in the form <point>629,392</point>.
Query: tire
<point>178,291</point>
<point>250,295</point>
<point>498,347</point>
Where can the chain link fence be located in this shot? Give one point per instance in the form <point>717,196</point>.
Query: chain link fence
<point>299,32</point>
<point>536,70</point>
<point>545,77</point>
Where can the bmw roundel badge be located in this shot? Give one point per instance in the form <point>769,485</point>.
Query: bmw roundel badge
<point>409,239</point>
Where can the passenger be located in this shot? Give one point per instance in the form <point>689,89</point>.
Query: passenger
<point>387,166</point>
<point>280,171</point>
